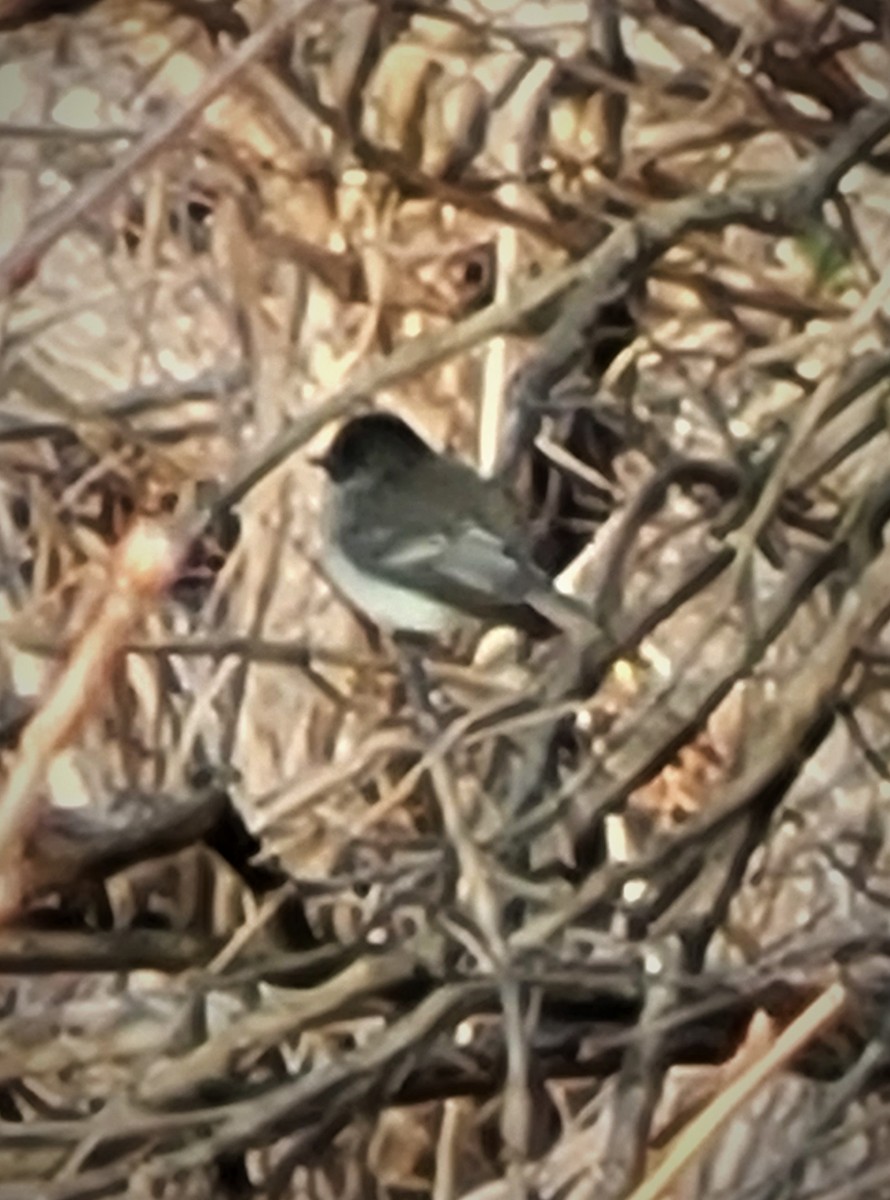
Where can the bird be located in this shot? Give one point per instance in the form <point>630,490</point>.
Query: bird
<point>419,542</point>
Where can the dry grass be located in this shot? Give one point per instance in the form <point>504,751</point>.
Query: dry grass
<point>618,929</point>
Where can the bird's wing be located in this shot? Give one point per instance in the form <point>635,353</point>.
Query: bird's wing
<point>479,572</point>
<point>475,560</point>
<point>466,558</point>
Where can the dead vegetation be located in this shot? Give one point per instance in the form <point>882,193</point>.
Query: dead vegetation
<point>619,930</point>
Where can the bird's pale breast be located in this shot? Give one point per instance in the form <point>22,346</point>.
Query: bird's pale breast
<point>388,605</point>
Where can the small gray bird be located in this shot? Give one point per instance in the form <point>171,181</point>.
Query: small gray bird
<point>418,541</point>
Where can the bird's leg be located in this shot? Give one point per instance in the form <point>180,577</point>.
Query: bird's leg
<point>416,683</point>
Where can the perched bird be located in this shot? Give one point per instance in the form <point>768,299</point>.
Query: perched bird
<point>418,541</point>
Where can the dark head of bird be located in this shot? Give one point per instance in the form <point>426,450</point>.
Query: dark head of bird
<point>372,444</point>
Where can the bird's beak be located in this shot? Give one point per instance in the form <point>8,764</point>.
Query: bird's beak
<point>320,460</point>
